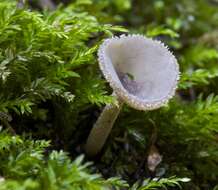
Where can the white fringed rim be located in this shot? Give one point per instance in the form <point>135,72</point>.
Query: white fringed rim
<point>131,99</point>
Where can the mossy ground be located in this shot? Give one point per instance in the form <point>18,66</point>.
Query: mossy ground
<point>52,91</point>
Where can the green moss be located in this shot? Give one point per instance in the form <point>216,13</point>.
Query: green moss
<point>51,88</point>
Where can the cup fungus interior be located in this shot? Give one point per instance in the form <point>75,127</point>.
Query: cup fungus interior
<point>143,67</point>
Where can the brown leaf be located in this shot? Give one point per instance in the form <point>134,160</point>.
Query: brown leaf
<point>154,158</point>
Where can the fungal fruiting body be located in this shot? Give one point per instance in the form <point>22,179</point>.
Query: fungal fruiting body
<point>142,72</point>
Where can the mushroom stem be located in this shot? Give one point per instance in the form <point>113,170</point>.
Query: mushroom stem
<point>102,128</point>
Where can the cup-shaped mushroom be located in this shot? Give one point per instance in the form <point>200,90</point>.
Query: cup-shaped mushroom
<point>142,72</point>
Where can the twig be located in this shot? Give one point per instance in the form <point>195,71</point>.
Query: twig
<point>9,127</point>
<point>5,119</point>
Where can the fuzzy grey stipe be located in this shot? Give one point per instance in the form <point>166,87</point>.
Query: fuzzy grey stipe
<point>142,72</point>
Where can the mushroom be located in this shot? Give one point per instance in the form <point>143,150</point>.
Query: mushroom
<point>142,72</point>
